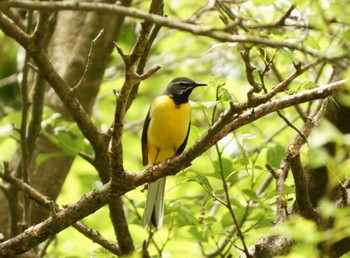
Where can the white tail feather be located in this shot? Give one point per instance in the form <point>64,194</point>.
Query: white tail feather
<point>154,204</point>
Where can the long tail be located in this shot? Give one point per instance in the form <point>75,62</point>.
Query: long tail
<point>154,207</point>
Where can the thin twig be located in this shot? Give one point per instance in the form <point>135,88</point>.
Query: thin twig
<point>284,84</point>
<point>8,80</point>
<point>249,73</point>
<point>36,113</point>
<point>96,237</point>
<point>42,251</point>
<point>89,60</point>
<point>279,113</point>
<point>282,173</point>
<point>25,157</point>
<point>227,204</point>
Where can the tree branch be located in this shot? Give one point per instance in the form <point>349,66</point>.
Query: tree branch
<point>256,87</point>
<point>255,100</point>
<point>214,33</point>
<point>96,237</point>
<point>301,187</point>
<point>45,202</point>
<point>38,233</point>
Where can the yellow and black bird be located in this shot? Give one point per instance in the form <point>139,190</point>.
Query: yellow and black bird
<point>165,133</point>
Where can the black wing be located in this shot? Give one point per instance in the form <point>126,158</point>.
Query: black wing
<point>183,145</point>
<point>144,139</point>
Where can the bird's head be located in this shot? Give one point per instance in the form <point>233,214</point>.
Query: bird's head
<point>180,89</point>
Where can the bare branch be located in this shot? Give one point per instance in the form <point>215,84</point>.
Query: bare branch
<point>255,100</point>
<point>89,60</point>
<point>282,173</point>
<point>25,155</point>
<point>120,52</point>
<point>279,113</point>
<point>132,78</point>
<point>301,188</point>
<point>214,33</point>
<point>26,188</point>
<point>97,238</point>
<point>37,111</point>
<point>44,201</point>
<point>38,233</point>
<point>142,63</point>
<point>256,87</point>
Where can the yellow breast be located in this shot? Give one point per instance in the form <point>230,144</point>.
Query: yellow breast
<point>169,123</point>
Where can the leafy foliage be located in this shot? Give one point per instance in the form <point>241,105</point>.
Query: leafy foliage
<point>227,199</point>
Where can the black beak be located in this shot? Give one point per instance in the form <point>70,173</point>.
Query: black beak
<point>200,84</point>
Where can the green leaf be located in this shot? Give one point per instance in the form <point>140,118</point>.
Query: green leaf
<point>225,164</point>
<point>236,203</point>
<point>263,2</point>
<point>346,34</point>
<point>324,133</point>
<point>43,157</point>
<point>274,155</point>
<point>198,234</point>
<point>217,82</point>
<point>69,145</point>
<point>297,87</point>
<point>225,95</point>
<point>203,181</point>
<point>180,214</point>
<point>206,105</point>
<point>251,195</point>
<point>236,176</point>
<point>308,85</point>
<point>343,99</point>
<point>312,42</point>
<point>299,228</point>
<point>227,220</point>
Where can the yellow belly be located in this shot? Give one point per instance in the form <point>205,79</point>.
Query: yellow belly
<point>167,129</point>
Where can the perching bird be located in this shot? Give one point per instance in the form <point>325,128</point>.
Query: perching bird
<point>165,133</point>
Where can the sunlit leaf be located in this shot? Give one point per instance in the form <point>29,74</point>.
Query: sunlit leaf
<point>263,2</point>
<point>225,95</point>
<point>45,156</point>
<point>251,195</point>
<point>274,155</point>
<point>324,133</point>
<point>206,105</point>
<point>203,181</point>
<point>312,42</point>
<point>198,234</point>
<point>227,219</point>
<point>235,176</point>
